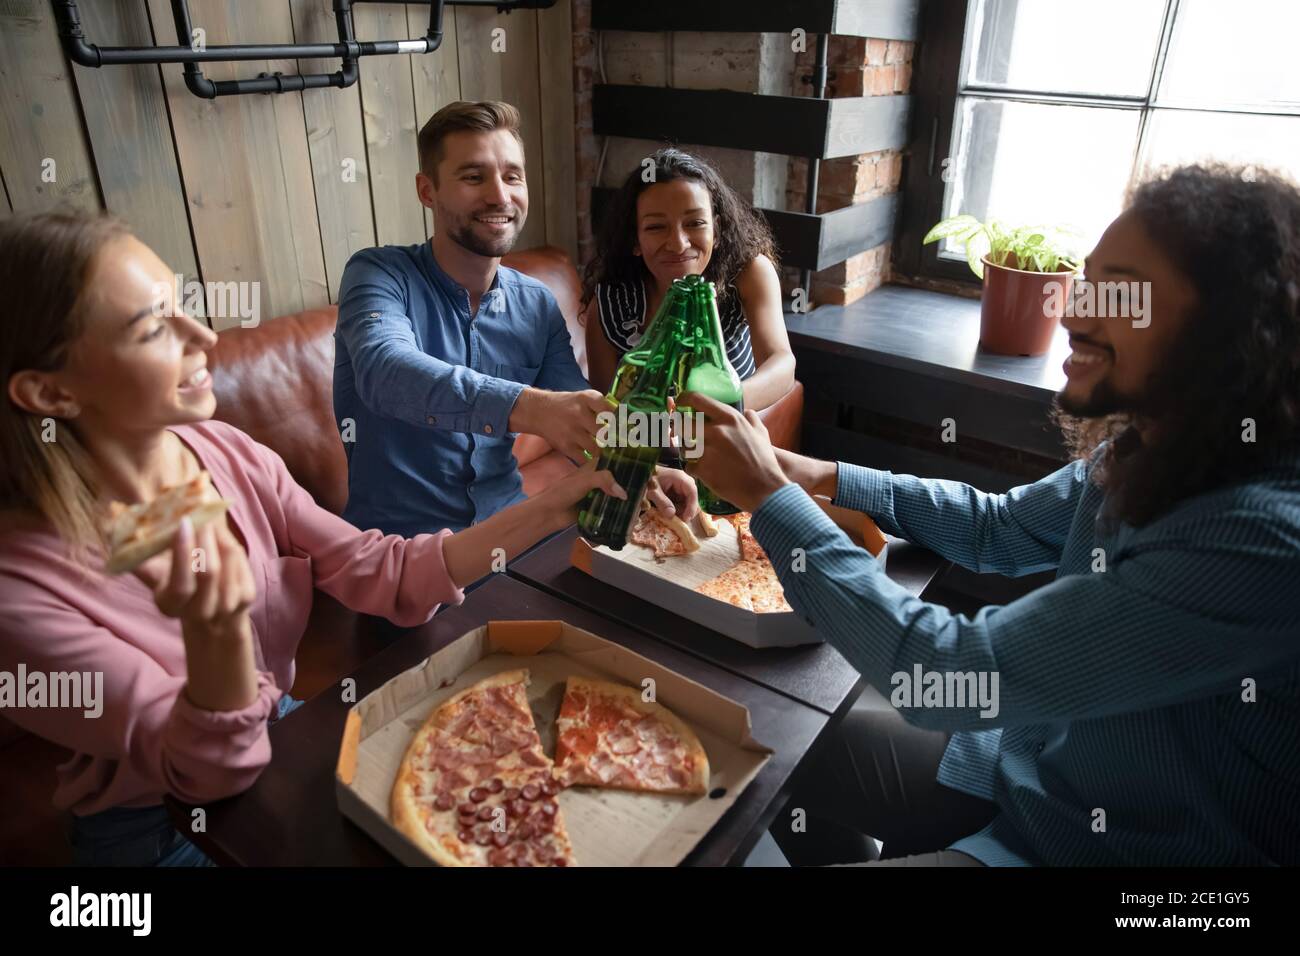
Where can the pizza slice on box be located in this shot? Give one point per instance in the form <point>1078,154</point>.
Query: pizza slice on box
<point>608,736</point>
<point>137,532</point>
<point>765,591</point>
<point>750,549</point>
<point>508,819</point>
<point>475,787</point>
<point>493,715</point>
<point>731,586</point>
<point>751,583</point>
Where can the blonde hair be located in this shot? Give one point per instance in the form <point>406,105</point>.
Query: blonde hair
<point>483,117</point>
<point>45,265</point>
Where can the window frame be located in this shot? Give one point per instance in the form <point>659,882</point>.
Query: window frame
<point>937,85</point>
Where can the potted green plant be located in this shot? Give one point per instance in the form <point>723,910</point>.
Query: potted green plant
<point>1023,268</point>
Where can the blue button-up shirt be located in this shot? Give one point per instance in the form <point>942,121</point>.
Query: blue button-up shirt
<point>1149,698</point>
<point>424,390</point>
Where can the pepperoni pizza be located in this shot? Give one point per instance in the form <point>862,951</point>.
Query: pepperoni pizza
<point>476,788</point>
<point>608,736</point>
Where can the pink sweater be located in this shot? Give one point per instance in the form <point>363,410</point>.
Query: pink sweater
<point>149,740</point>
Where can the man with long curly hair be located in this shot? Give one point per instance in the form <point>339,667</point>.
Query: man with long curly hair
<point>1144,707</point>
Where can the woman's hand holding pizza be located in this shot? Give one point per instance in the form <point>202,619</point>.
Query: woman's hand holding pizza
<point>206,582</point>
<point>737,460</point>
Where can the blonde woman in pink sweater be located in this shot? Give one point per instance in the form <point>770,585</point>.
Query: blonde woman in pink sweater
<point>108,398</point>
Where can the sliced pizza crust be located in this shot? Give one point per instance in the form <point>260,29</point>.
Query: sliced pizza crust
<point>137,532</point>
<point>608,736</point>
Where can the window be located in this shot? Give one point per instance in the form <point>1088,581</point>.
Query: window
<point>1036,111</point>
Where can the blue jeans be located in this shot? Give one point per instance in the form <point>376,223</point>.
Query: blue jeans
<point>141,836</point>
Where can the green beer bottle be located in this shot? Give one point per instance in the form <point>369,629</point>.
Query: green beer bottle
<point>633,451</point>
<point>671,314</point>
<point>705,369</point>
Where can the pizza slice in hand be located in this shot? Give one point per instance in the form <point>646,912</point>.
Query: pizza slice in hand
<point>608,736</point>
<point>666,537</point>
<point>137,532</point>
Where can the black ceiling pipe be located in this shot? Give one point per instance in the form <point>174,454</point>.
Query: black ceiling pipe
<point>201,86</point>
<point>348,49</point>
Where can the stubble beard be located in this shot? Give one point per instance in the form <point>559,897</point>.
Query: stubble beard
<point>462,233</point>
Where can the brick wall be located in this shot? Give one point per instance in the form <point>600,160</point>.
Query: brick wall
<point>858,67</point>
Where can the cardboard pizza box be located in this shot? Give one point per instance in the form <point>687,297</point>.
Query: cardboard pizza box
<point>671,582</point>
<point>606,827</point>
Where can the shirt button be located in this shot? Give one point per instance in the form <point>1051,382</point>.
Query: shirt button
<point>1040,747</point>
<point>432,420</point>
<point>487,429</point>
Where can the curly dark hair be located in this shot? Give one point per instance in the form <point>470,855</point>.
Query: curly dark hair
<point>1235,234</point>
<point>740,234</point>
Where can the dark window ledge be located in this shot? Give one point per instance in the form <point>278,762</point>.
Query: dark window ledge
<point>929,334</point>
<point>902,358</point>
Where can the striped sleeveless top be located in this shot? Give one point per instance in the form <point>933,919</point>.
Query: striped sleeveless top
<point>622,308</point>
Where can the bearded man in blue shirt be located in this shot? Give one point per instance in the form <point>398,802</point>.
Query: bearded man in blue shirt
<point>442,354</point>
<point>1148,699</point>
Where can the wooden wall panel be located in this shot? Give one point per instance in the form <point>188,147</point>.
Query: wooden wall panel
<point>436,75</point>
<point>131,136</point>
<point>40,117</point>
<point>251,188</point>
<point>246,166</point>
<point>388,109</point>
<point>557,122</point>
<point>335,134</point>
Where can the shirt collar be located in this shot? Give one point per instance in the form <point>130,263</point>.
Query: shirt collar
<point>493,299</point>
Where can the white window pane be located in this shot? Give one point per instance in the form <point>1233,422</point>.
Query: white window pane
<point>1175,137</point>
<point>1103,47</point>
<point>1241,53</point>
<point>1031,164</point>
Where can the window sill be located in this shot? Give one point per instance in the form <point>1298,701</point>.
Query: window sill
<point>929,334</point>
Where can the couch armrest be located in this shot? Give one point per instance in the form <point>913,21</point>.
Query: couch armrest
<point>784,418</point>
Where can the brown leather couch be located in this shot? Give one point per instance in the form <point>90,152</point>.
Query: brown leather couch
<point>274,382</point>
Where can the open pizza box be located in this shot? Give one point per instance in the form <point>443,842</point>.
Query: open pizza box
<point>671,582</point>
<point>606,827</point>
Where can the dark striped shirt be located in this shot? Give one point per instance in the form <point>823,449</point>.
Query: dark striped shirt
<point>622,308</point>
<point>1149,698</point>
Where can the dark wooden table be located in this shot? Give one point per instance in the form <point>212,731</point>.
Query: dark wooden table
<point>290,816</point>
<point>814,674</point>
